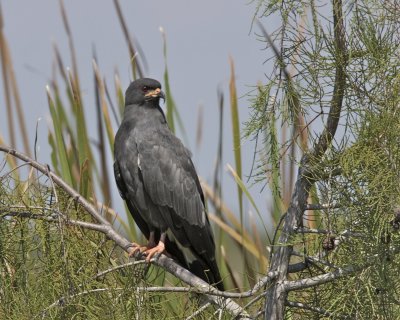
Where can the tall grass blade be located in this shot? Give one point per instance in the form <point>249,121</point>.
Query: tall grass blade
<point>243,188</point>
<point>137,71</point>
<point>172,113</point>
<point>84,151</point>
<point>120,96</point>
<point>226,214</point>
<point>218,173</point>
<point>84,179</point>
<point>6,84</point>
<point>169,99</point>
<point>18,106</point>
<point>62,115</point>
<point>236,133</point>
<point>71,48</point>
<point>102,110</point>
<point>61,148</point>
<point>248,245</point>
<point>102,105</point>
<point>54,153</point>
<point>231,269</point>
<point>112,107</point>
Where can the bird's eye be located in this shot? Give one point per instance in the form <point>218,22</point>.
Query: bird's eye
<point>145,89</point>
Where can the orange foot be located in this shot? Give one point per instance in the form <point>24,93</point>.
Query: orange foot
<point>157,250</point>
<point>137,250</point>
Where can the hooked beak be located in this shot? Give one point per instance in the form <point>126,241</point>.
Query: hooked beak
<point>155,93</point>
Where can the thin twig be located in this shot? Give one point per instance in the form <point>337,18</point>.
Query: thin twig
<point>55,219</point>
<point>318,310</point>
<point>321,206</point>
<point>197,312</point>
<point>320,279</point>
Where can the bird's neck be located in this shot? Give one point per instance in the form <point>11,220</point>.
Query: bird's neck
<point>144,111</point>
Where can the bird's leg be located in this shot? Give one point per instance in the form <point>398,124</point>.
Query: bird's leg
<point>138,249</point>
<point>158,249</point>
<point>152,241</point>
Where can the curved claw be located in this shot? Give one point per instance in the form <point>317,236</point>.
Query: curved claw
<point>137,250</point>
<point>154,252</point>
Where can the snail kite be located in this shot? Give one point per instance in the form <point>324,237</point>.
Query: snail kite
<point>156,177</point>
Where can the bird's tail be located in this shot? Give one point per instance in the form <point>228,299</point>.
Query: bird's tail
<point>203,267</point>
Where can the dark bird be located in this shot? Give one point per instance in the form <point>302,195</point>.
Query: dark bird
<point>157,179</point>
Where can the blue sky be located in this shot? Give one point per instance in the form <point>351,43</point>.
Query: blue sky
<point>201,35</point>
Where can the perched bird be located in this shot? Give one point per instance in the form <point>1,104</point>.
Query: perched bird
<point>157,179</point>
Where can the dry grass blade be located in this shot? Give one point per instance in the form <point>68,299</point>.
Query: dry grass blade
<point>136,68</point>
<point>21,116</point>
<point>225,211</point>
<point>71,47</point>
<point>243,188</point>
<point>6,84</point>
<point>119,92</point>
<point>102,109</point>
<point>248,244</point>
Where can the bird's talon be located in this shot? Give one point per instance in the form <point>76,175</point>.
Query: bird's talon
<point>157,255</point>
<point>137,251</point>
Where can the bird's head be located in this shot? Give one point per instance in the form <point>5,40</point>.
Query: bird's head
<point>143,90</point>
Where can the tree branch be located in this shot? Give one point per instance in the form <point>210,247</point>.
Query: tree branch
<point>276,294</point>
<point>340,81</point>
<point>36,216</point>
<point>317,280</point>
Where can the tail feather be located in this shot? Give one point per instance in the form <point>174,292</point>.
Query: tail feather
<point>208,272</point>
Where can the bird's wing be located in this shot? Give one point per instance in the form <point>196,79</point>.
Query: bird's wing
<point>123,190</point>
<point>120,181</point>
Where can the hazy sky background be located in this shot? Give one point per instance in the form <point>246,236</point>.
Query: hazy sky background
<point>201,35</point>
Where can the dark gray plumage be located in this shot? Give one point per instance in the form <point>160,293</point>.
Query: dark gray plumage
<point>156,177</point>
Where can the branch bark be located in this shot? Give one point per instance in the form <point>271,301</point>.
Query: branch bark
<point>317,280</point>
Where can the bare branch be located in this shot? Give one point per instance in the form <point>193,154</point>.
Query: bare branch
<point>55,219</point>
<point>340,81</point>
<point>321,206</point>
<point>122,266</point>
<point>317,280</point>
<point>200,310</point>
<point>315,260</point>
